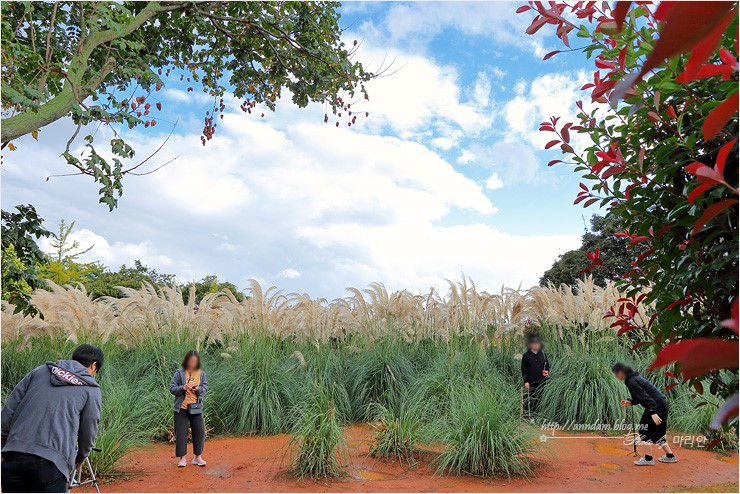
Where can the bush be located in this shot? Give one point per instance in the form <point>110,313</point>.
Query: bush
<point>317,437</point>
<point>252,391</point>
<point>483,434</point>
<point>398,434</point>
<point>380,374</point>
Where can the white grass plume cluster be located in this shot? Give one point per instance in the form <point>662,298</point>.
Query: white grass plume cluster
<point>374,312</point>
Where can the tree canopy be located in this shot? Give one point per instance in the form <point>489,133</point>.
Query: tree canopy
<point>570,267</point>
<point>103,62</point>
<point>660,129</point>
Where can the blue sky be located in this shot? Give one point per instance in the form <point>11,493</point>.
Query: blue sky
<point>446,175</point>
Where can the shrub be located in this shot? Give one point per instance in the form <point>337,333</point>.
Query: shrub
<point>398,434</point>
<point>483,434</point>
<point>252,391</point>
<point>380,374</point>
<point>317,437</point>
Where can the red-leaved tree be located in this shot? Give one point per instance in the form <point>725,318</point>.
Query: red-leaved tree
<point>661,155</point>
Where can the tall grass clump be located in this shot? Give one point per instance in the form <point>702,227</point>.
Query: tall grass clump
<point>317,441</point>
<point>581,388</point>
<point>483,435</point>
<point>398,433</point>
<point>326,367</point>
<point>380,374</point>
<point>253,390</point>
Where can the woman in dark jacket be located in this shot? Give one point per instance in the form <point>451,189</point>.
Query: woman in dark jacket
<point>189,384</point>
<point>654,418</point>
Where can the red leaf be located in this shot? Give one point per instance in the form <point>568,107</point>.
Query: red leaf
<point>726,412</point>
<point>536,25</point>
<point>686,25</point>
<point>671,112</point>
<point>699,387</point>
<point>670,387</point>
<point>620,12</point>
<point>552,143</point>
<point>706,47</point>
<point>718,117</point>
<point>732,322</point>
<point>710,174</point>
<point>694,167</point>
<point>722,156</point>
<point>698,190</point>
<point>523,8</point>
<point>590,201</point>
<point>550,55</point>
<point>699,355</point>
<point>713,211</point>
<point>703,72</point>
<point>554,162</point>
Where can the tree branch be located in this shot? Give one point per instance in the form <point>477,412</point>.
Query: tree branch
<point>76,90</point>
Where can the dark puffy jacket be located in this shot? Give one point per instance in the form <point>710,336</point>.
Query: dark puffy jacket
<point>532,366</point>
<point>643,392</point>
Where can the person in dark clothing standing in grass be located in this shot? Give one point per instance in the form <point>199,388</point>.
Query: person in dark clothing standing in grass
<point>50,421</point>
<point>189,384</point>
<point>653,421</point>
<point>535,369</point>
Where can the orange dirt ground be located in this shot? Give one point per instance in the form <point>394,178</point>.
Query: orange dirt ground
<point>588,463</point>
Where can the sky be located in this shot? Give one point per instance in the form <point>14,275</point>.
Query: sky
<point>446,176</point>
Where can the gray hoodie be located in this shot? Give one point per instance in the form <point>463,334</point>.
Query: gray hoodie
<point>177,387</point>
<point>53,413</point>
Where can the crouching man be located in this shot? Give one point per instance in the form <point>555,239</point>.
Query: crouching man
<point>50,421</point>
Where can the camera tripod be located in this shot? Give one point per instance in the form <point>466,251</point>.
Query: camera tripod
<point>76,479</point>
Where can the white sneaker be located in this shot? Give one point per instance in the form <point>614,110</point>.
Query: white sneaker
<point>668,459</point>
<point>183,462</point>
<point>643,462</point>
<point>200,463</point>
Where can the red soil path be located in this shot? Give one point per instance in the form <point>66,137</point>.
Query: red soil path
<point>588,463</point>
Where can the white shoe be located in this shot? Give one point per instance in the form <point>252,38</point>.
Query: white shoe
<point>200,463</point>
<point>183,463</point>
<point>668,459</point>
<point>643,462</point>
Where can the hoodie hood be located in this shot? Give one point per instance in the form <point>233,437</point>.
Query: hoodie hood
<point>70,373</point>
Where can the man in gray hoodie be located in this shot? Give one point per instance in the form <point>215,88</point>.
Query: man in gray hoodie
<point>50,421</point>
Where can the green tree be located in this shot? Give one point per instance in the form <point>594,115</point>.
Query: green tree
<point>210,284</point>
<point>101,62</point>
<point>100,282</point>
<point>64,249</point>
<point>667,80</point>
<point>616,257</point>
<point>21,255</point>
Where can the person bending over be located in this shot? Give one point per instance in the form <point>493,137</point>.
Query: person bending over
<point>189,384</point>
<point>50,421</point>
<point>535,369</point>
<point>653,421</point>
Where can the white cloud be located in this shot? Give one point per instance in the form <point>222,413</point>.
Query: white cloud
<point>411,108</point>
<point>495,20</point>
<point>546,96</point>
<point>494,182</point>
<point>112,254</point>
<point>289,274</point>
<point>466,156</point>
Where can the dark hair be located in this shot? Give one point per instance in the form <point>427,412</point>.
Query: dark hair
<point>533,338</point>
<point>191,353</point>
<point>87,354</point>
<point>620,367</point>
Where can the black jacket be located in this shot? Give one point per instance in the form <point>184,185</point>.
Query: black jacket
<point>643,392</point>
<point>532,366</point>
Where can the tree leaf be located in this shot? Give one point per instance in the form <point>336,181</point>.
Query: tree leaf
<point>718,117</point>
